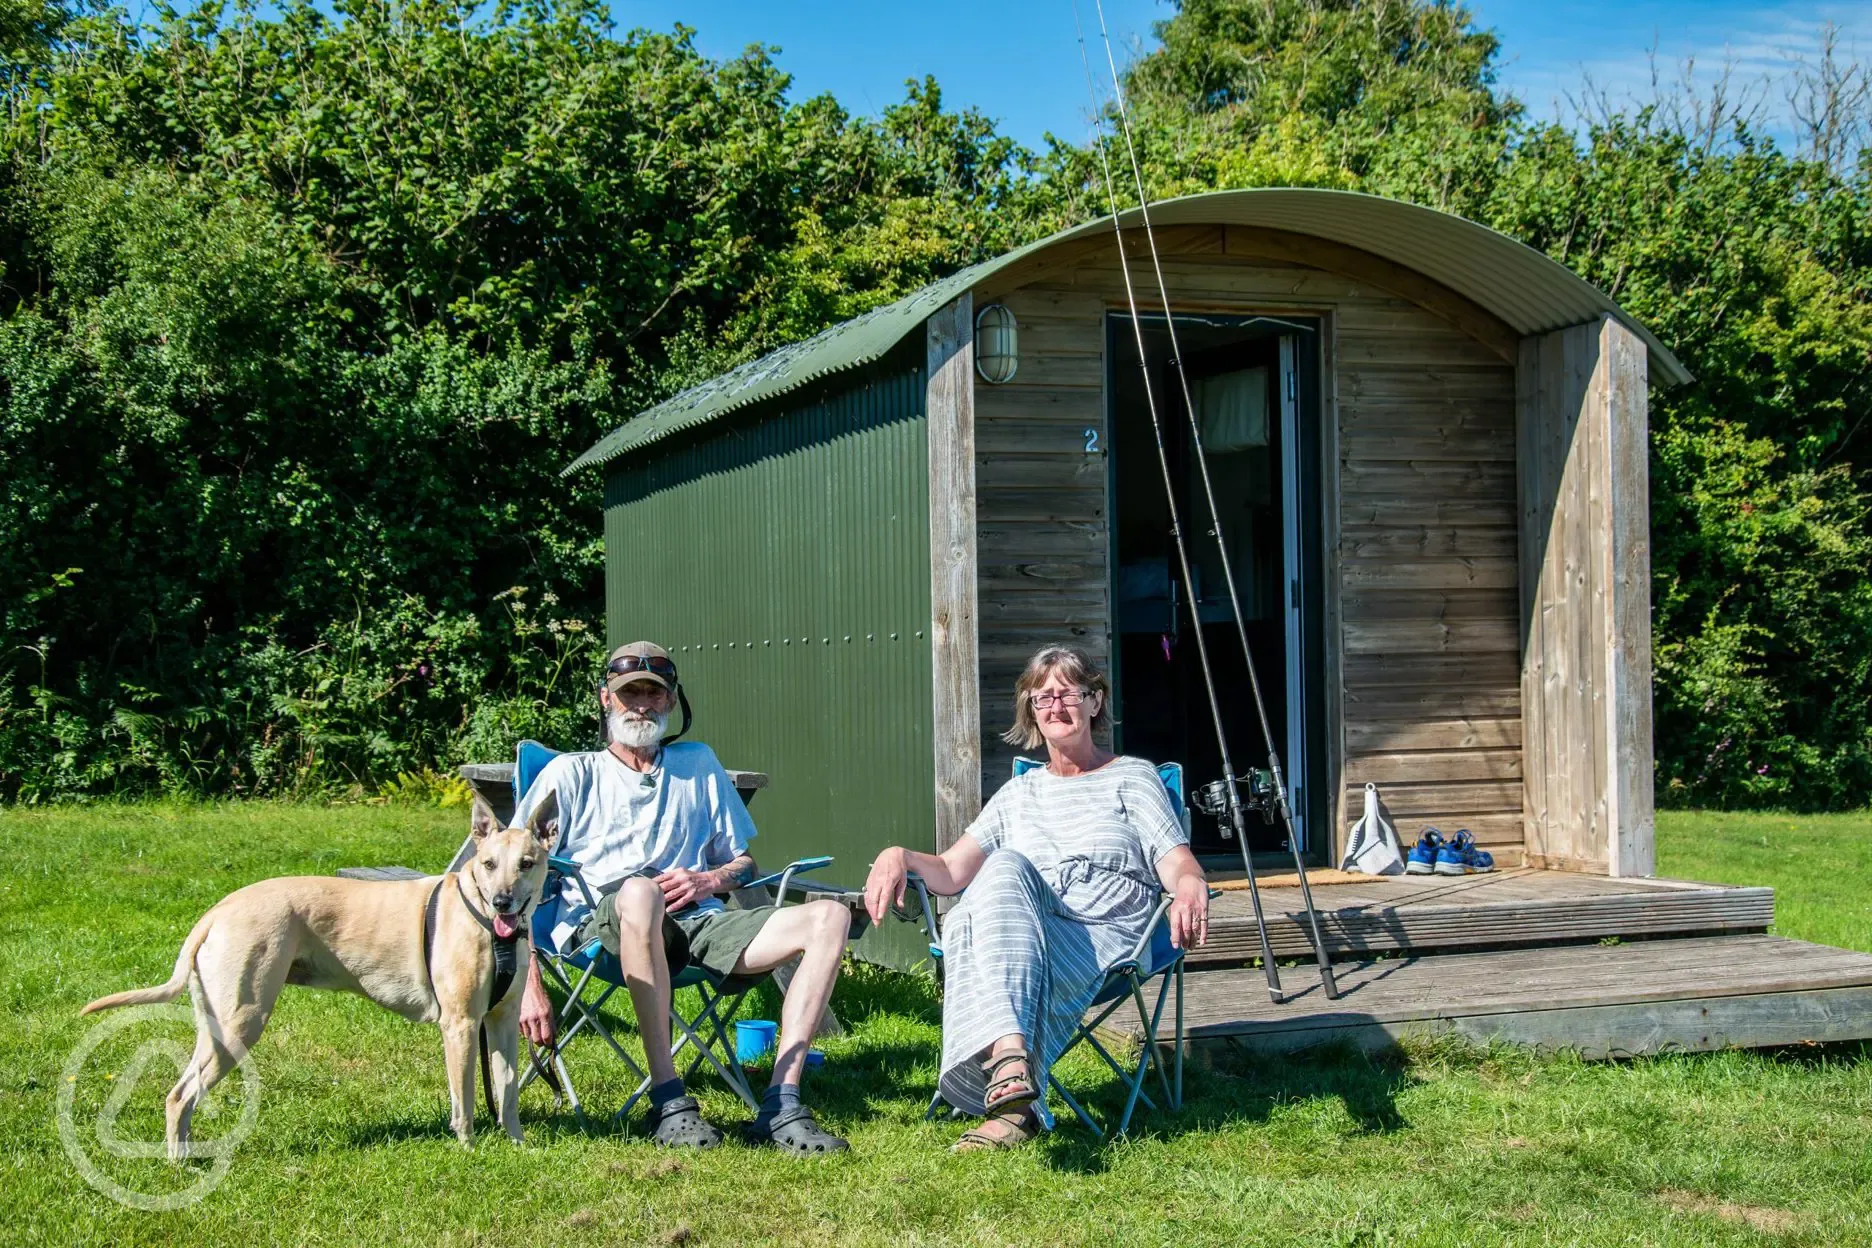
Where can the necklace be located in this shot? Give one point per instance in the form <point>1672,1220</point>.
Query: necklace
<point>649,777</point>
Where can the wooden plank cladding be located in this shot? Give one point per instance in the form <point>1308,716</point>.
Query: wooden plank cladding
<point>1421,391</point>
<point>1695,995</point>
<point>1512,907</point>
<point>1585,605</point>
<point>1042,509</point>
<point>954,609</point>
<point>1428,572</point>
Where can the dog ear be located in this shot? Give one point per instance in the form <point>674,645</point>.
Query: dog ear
<point>481,820</point>
<point>543,823</point>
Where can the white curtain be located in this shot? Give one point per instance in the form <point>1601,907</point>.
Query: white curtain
<point>1232,410</point>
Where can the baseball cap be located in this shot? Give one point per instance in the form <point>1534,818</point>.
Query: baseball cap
<point>640,660</point>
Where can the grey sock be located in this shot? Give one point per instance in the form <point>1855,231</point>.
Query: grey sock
<point>778,1099</point>
<point>665,1092</point>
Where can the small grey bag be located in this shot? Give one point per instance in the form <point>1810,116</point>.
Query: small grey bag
<point>1373,846</point>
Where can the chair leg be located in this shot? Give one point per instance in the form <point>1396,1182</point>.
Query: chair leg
<point>1176,1097</point>
<point>589,1014</point>
<point>935,1103</point>
<point>576,1015</point>
<point>565,1081</point>
<point>623,1111</point>
<point>1117,1066</point>
<point>1150,1055</point>
<point>1151,1024</point>
<point>711,1024</point>
<point>728,1071</point>
<point>1046,1115</point>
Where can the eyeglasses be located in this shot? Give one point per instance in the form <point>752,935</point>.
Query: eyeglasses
<point>1047,701</point>
<point>655,664</point>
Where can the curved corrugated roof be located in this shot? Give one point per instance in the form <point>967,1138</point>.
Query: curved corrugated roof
<point>1520,286</point>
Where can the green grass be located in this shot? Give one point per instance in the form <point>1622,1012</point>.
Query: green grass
<point>1438,1145</point>
<point>1819,865</point>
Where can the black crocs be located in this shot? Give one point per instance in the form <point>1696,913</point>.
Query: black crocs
<point>795,1131</point>
<point>678,1123</point>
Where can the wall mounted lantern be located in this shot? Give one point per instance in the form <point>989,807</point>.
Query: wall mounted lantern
<point>997,344</point>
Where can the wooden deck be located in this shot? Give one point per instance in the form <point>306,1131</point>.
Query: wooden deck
<point>1523,906</point>
<point>1691,994</point>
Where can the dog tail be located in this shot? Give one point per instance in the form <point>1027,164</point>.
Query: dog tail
<point>178,982</point>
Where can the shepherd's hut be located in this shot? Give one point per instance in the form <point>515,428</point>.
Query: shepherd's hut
<point>1429,446</point>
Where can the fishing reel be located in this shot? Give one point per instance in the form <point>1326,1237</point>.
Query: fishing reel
<point>1256,791</point>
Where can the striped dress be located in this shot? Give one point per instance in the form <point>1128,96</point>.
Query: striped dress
<point>1068,887</point>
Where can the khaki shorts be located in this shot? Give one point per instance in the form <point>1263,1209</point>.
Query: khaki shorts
<point>711,939</point>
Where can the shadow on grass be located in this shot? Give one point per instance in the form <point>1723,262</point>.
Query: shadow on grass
<point>879,1078</point>
<point>1818,1056</point>
<point>1226,1086</point>
<point>866,991</point>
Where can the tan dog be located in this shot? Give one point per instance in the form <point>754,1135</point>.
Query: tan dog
<point>367,937</point>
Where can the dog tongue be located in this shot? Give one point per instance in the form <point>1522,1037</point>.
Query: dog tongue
<point>505,927</point>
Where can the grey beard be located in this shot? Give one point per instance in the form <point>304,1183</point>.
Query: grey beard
<point>638,734</point>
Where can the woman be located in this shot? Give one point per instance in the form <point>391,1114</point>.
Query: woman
<point>1062,871</point>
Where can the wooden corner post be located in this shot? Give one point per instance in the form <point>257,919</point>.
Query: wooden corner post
<point>1585,555</point>
<point>954,637</point>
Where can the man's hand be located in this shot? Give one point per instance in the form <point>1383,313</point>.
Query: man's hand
<point>1189,913</point>
<point>536,1011</point>
<point>682,887</point>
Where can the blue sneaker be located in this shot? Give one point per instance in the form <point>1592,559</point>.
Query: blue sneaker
<point>1422,859</point>
<point>1459,856</point>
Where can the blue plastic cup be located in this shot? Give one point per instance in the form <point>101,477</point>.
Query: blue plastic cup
<point>752,1038</point>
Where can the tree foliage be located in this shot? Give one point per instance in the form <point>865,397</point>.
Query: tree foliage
<point>300,316</point>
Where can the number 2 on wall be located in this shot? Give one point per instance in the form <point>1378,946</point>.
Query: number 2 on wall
<point>1092,440</point>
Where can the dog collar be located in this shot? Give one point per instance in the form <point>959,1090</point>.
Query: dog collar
<point>506,953</point>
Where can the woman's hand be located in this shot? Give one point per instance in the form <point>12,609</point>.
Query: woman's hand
<point>1189,913</point>
<point>884,887</point>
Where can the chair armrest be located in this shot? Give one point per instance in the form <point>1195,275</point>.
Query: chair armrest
<point>1164,902</point>
<point>928,911</point>
<point>569,869</point>
<point>1150,929</point>
<point>782,879</point>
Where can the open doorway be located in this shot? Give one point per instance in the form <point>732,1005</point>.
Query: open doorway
<point>1253,383</point>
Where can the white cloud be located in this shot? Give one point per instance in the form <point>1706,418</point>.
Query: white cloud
<point>1756,48</point>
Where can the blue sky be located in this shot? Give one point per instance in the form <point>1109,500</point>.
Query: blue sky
<point>1017,60</point>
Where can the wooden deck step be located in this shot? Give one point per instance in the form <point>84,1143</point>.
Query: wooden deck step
<point>1653,996</point>
<point>1525,906</point>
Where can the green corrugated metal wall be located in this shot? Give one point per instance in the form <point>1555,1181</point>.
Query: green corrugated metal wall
<point>784,561</point>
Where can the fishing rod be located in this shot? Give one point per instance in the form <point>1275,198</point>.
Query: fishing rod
<point>1228,800</point>
<point>1230,792</point>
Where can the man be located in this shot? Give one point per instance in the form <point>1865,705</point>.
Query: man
<point>658,830</point>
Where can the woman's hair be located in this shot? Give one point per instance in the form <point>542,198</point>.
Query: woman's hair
<point>1072,663</point>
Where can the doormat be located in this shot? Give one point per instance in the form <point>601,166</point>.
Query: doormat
<point>1317,879</point>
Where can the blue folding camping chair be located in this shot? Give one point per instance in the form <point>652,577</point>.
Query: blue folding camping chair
<point>591,969</point>
<point>1152,958</point>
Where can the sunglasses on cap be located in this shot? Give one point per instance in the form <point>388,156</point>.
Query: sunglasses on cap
<point>655,664</point>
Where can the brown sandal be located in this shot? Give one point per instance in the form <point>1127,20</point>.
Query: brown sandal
<point>1008,1094</point>
<point>1021,1127</point>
